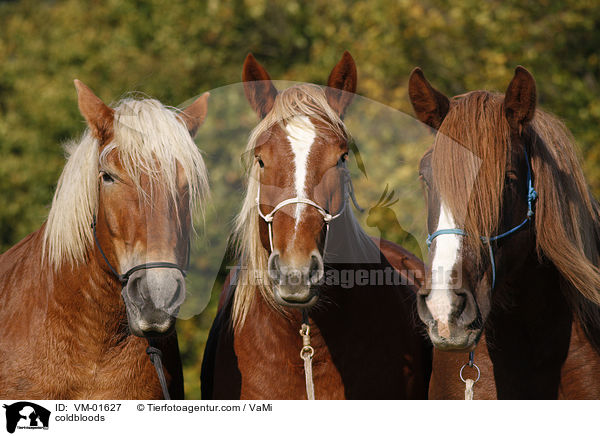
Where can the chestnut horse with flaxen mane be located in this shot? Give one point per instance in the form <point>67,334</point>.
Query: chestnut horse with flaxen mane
<point>305,260</point>
<point>78,296</point>
<point>514,246</point>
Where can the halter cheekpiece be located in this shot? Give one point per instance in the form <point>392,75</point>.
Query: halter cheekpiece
<point>124,278</point>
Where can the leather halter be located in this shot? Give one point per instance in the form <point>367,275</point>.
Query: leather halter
<point>153,352</point>
<point>124,278</point>
<point>532,195</point>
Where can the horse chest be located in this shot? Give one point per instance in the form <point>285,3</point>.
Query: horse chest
<point>271,368</point>
<point>445,383</point>
<point>580,374</point>
<point>67,371</point>
<point>123,374</point>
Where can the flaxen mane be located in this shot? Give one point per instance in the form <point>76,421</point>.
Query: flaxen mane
<point>566,218</point>
<point>150,139</point>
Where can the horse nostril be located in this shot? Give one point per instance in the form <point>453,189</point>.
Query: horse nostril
<point>460,304</point>
<point>178,296</point>
<point>315,269</point>
<point>137,292</point>
<point>422,309</point>
<point>274,267</point>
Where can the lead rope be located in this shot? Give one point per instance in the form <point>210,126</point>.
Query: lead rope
<point>306,354</point>
<point>470,383</point>
<point>156,358</point>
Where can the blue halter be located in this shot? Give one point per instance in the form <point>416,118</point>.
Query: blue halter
<point>531,197</point>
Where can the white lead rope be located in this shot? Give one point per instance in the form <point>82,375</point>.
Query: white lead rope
<point>307,354</point>
<point>469,389</point>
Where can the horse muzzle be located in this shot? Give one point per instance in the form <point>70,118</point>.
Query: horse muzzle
<point>452,318</point>
<point>293,285</point>
<point>153,298</point>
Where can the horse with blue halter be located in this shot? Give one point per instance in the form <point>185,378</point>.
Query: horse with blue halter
<point>514,239</point>
<point>315,309</point>
<point>81,297</point>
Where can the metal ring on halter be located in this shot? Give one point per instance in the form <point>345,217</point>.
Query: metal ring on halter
<point>474,366</point>
<point>310,352</point>
<point>305,329</point>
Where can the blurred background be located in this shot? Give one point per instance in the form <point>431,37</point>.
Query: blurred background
<point>174,51</point>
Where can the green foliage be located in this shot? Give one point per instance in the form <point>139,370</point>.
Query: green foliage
<point>175,50</point>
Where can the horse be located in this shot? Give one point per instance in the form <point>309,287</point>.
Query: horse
<point>289,325</point>
<point>81,296</point>
<point>514,239</point>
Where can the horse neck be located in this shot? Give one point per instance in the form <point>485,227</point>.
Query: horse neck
<point>528,331</point>
<point>92,290</point>
<point>85,296</point>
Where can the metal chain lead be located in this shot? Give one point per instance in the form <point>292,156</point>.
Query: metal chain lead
<point>306,353</point>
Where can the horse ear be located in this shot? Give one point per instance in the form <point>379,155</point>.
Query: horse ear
<point>98,115</point>
<point>258,87</point>
<point>341,84</point>
<point>430,105</point>
<point>193,116</point>
<point>520,99</point>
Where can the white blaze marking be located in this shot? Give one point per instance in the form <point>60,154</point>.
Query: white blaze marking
<point>447,247</point>
<point>301,133</point>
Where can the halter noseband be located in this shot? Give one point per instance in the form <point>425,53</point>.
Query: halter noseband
<point>327,217</point>
<point>124,278</point>
<point>531,197</point>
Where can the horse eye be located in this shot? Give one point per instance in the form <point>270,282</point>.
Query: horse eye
<point>344,157</point>
<point>260,162</point>
<point>107,178</point>
<point>512,176</point>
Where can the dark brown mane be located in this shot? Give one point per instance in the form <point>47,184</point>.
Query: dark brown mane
<point>469,161</point>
